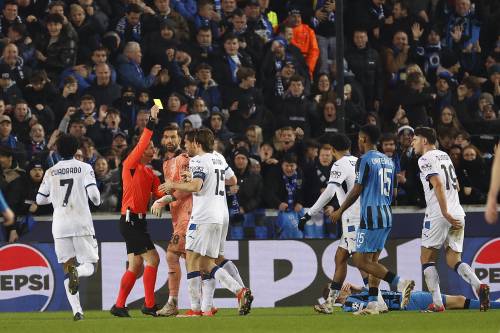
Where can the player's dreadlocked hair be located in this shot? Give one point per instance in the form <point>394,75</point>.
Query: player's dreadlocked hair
<point>340,142</point>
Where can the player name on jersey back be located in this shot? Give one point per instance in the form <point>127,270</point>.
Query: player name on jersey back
<point>209,204</point>
<point>438,163</point>
<point>65,184</point>
<point>343,173</point>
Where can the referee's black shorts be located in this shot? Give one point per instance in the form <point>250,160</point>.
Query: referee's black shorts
<point>136,234</point>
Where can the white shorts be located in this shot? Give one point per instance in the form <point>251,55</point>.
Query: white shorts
<point>204,239</point>
<point>348,239</point>
<point>437,233</point>
<point>225,227</point>
<point>84,248</point>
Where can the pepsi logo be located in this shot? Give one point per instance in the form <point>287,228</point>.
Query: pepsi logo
<point>26,279</point>
<point>486,265</point>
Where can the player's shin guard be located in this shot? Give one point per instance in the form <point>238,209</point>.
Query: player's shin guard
<point>126,285</point>
<point>466,273</point>
<point>194,288</point>
<point>231,268</point>
<point>432,281</point>
<point>86,269</point>
<point>225,279</point>
<point>74,300</point>
<point>207,292</point>
<point>149,281</point>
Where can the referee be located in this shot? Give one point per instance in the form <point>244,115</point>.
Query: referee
<point>139,182</point>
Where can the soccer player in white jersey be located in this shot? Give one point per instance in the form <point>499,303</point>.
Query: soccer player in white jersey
<point>342,178</point>
<point>203,237</point>
<point>444,220</point>
<point>208,282</point>
<point>67,186</point>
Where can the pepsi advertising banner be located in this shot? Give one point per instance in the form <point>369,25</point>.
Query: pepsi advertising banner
<point>279,272</point>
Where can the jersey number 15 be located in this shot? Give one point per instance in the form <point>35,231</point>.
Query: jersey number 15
<point>385,181</point>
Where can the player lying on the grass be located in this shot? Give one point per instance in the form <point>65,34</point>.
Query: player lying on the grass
<point>68,186</point>
<point>355,298</point>
<point>342,178</point>
<point>444,220</point>
<point>205,229</point>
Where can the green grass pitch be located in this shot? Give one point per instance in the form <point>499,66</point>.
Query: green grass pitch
<point>279,320</point>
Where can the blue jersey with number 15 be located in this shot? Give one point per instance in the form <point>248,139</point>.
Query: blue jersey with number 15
<point>376,173</point>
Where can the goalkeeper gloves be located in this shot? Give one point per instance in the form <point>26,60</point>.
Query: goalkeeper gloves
<point>303,220</point>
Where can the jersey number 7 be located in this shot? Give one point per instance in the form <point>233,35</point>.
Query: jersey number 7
<point>64,182</point>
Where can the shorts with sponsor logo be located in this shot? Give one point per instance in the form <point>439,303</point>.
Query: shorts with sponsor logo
<point>348,239</point>
<point>204,238</point>
<point>83,248</point>
<point>371,240</point>
<point>437,233</point>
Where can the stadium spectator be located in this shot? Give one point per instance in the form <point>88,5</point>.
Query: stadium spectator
<point>366,65</point>
<point>130,71</point>
<point>304,38</point>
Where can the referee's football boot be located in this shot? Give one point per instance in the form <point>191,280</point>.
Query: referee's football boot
<point>150,311</point>
<point>78,316</point>
<point>484,297</point>
<point>73,279</point>
<point>119,312</point>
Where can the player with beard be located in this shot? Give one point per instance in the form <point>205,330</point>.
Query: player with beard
<point>180,208</point>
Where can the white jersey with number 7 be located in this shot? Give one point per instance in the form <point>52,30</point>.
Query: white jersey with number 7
<point>68,185</point>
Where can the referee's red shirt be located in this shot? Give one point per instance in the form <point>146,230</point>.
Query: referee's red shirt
<point>139,181</point>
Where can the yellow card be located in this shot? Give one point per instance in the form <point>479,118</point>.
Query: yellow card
<point>158,103</point>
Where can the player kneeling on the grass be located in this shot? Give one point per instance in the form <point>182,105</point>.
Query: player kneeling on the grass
<point>375,181</point>
<point>67,186</point>
<point>342,178</point>
<point>444,218</point>
<point>205,226</point>
<point>139,182</point>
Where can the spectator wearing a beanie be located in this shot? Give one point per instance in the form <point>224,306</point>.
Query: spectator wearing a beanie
<point>34,173</point>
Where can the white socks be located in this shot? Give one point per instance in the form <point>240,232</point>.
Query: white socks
<point>84,270</point>
<point>225,279</point>
<point>172,300</point>
<point>332,296</point>
<point>207,293</point>
<point>466,273</point>
<point>74,300</point>
<point>432,280</point>
<point>231,268</point>
<point>194,288</point>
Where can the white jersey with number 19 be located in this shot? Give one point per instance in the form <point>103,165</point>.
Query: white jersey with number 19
<point>68,185</point>
<point>438,163</point>
<point>209,204</point>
